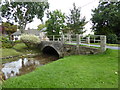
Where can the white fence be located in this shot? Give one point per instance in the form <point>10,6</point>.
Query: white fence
<point>79,40</point>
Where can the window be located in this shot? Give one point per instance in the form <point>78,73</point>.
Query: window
<point>16,38</point>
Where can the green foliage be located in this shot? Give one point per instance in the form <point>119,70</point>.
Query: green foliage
<point>17,41</point>
<point>79,71</point>
<point>6,43</point>
<point>30,40</point>
<point>4,39</point>
<point>9,52</point>
<point>17,49</point>
<point>55,22</point>
<point>41,26</point>
<point>75,24</point>
<point>23,12</point>
<point>9,28</point>
<point>106,18</point>
<point>111,38</point>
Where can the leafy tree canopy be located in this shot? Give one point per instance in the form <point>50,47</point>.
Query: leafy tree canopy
<point>41,26</point>
<point>55,23</point>
<point>106,18</point>
<point>75,24</point>
<point>23,12</point>
<point>9,28</point>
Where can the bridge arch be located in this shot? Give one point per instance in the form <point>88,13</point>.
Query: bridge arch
<point>50,50</point>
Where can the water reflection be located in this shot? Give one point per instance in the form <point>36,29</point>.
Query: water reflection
<point>25,65</point>
<point>13,68</point>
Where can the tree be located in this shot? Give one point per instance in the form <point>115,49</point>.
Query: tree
<point>75,23</point>
<point>23,12</point>
<point>41,26</point>
<point>9,28</point>
<point>55,22</point>
<point>106,18</point>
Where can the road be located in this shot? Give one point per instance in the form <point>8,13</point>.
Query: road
<point>111,47</point>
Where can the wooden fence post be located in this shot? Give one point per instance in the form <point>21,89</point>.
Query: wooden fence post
<point>79,39</point>
<point>53,38</point>
<point>88,40</point>
<point>102,43</point>
<point>78,43</point>
<point>69,38</point>
<point>94,39</point>
<point>63,40</point>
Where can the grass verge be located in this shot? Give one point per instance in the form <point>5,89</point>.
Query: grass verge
<point>80,71</point>
<point>18,49</point>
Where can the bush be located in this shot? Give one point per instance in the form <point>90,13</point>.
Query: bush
<point>17,41</point>
<point>112,38</point>
<point>6,43</point>
<point>4,39</point>
<point>30,40</point>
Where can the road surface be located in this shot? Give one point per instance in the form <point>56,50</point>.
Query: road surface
<point>111,47</point>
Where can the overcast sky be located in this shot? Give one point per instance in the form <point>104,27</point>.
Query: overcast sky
<point>66,5</point>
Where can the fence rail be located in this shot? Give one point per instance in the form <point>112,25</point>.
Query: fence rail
<point>79,40</point>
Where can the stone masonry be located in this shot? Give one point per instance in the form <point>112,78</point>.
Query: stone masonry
<point>67,49</point>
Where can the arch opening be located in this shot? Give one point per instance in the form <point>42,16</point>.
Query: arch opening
<point>50,51</point>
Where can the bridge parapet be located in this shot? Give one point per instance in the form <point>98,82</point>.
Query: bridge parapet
<point>67,49</point>
<point>79,40</point>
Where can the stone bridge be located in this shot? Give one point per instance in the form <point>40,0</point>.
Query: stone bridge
<point>60,49</point>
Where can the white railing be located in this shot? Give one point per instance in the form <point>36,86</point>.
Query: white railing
<point>79,40</point>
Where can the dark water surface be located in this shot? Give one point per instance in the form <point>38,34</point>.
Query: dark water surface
<point>25,65</point>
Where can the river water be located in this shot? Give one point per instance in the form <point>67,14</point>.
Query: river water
<point>25,65</point>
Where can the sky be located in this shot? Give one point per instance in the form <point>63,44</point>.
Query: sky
<point>65,6</point>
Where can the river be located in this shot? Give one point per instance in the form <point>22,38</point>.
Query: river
<point>25,65</point>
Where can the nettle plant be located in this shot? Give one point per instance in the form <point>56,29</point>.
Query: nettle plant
<point>30,40</point>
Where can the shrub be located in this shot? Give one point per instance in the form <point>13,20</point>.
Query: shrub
<point>112,38</point>
<point>30,40</point>
<point>4,39</point>
<point>17,41</point>
<point>6,43</point>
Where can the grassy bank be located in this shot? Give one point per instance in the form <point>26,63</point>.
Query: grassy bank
<point>18,49</point>
<point>80,71</point>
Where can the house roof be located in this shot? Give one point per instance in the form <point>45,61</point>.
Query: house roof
<point>31,31</point>
<point>44,29</point>
<point>17,33</point>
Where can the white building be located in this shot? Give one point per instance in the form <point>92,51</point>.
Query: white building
<point>41,34</point>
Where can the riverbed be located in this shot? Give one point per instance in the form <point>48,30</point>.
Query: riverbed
<point>22,66</point>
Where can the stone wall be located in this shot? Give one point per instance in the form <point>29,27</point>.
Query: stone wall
<point>67,49</point>
<point>74,50</point>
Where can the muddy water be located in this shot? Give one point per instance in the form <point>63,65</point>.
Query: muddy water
<point>25,65</point>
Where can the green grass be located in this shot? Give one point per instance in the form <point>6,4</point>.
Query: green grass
<point>80,71</point>
<point>9,52</point>
<point>13,51</point>
<point>21,47</point>
<point>18,49</point>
